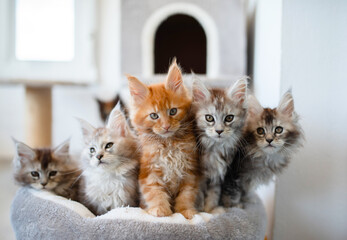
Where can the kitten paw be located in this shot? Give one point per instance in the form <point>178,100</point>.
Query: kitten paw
<point>209,208</point>
<point>159,211</point>
<point>218,210</point>
<point>189,213</point>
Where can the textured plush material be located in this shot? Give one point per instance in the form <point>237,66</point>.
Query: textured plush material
<point>42,215</point>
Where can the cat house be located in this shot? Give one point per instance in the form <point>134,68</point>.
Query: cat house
<point>207,37</point>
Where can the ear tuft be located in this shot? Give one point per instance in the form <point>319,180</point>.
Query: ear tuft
<point>87,130</point>
<point>117,122</point>
<point>138,90</point>
<point>238,91</point>
<point>62,149</point>
<point>23,152</point>
<point>174,81</point>
<point>286,105</point>
<point>200,92</point>
<point>254,107</point>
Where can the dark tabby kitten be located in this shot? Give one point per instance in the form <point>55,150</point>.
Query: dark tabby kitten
<point>272,136</point>
<point>220,115</point>
<point>105,107</point>
<point>45,168</point>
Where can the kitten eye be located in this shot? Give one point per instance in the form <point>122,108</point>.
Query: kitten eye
<point>209,118</point>
<point>229,118</point>
<point>35,174</point>
<point>154,116</point>
<point>260,131</point>
<point>173,111</point>
<point>108,145</point>
<point>92,150</point>
<point>52,173</point>
<point>278,129</point>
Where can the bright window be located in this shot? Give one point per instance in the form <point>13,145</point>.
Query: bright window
<point>45,30</point>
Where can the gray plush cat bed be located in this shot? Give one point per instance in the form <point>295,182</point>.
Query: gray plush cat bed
<point>43,215</point>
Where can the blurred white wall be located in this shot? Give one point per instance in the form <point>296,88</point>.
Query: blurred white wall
<point>311,196</point>
<point>266,75</point>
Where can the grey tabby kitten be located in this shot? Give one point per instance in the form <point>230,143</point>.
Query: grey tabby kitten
<point>45,168</point>
<point>220,116</point>
<point>272,136</point>
<point>110,162</point>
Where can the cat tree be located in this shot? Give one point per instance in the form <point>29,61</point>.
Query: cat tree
<point>148,26</point>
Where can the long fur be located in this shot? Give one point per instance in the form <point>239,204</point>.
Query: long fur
<point>110,181</point>
<point>44,161</point>
<point>168,177</point>
<point>217,150</point>
<point>258,161</point>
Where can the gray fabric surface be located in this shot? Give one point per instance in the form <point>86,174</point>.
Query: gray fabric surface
<point>36,218</point>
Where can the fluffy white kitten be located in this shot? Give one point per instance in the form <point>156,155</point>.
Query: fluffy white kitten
<point>110,165</point>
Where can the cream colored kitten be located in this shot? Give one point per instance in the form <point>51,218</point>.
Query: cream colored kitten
<point>110,160</point>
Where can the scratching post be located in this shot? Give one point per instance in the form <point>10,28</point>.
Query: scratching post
<point>38,116</point>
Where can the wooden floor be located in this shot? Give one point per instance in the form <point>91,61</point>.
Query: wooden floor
<point>7,192</point>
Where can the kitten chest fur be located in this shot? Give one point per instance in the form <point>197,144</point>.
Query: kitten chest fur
<point>262,168</point>
<point>215,158</point>
<point>106,190</point>
<point>174,161</point>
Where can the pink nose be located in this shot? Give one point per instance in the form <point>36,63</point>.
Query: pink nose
<point>167,127</point>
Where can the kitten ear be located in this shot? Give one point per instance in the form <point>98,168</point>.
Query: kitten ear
<point>62,149</point>
<point>286,105</point>
<point>23,152</point>
<point>87,130</point>
<point>238,91</point>
<point>200,92</point>
<point>254,107</point>
<point>138,90</point>
<point>174,80</point>
<point>117,122</point>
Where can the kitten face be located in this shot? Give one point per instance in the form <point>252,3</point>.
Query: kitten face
<point>41,168</point>
<point>110,147</point>
<point>273,130</point>
<point>160,109</point>
<point>220,114</point>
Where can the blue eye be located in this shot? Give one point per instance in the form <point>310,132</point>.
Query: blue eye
<point>154,116</point>
<point>92,150</point>
<point>173,111</point>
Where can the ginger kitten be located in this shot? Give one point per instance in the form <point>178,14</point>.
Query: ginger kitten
<point>45,168</point>
<point>160,113</point>
<point>272,136</point>
<point>110,165</point>
<point>220,115</point>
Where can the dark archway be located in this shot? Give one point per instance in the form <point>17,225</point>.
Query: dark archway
<point>183,37</point>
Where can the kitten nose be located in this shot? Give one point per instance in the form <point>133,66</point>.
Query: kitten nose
<point>167,127</point>
<point>219,131</point>
<point>44,183</point>
<point>99,156</point>
<point>269,140</point>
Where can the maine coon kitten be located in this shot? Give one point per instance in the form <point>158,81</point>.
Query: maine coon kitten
<point>45,168</point>
<point>110,165</point>
<point>105,107</point>
<point>272,136</point>
<point>220,115</point>
<point>168,176</point>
